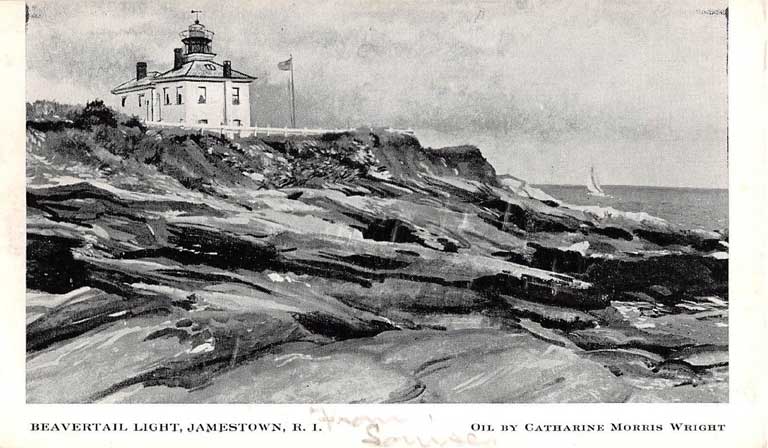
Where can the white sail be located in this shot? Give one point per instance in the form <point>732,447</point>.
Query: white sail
<point>593,184</point>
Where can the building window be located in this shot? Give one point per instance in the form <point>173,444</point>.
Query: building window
<point>122,101</point>
<point>201,95</point>
<point>166,95</point>
<point>141,99</point>
<point>237,123</point>
<point>235,95</point>
<point>202,121</point>
<point>179,95</point>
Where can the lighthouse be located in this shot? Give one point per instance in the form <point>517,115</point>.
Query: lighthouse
<point>197,90</point>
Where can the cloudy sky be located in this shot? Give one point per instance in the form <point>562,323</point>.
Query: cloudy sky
<point>545,88</point>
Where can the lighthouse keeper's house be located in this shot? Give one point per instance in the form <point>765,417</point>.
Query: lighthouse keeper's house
<point>197,90</point>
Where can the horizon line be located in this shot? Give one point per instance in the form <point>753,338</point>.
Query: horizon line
<point>539,184</point>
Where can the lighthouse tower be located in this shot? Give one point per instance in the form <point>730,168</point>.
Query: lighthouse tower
<point>197,41</point>
<point>197,90</point>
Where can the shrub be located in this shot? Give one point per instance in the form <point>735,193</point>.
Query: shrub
<point>94,113</point>
<point>134,122</point>
<point>71,146</point>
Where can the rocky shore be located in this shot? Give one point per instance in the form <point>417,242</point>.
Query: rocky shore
<point>170,266</point>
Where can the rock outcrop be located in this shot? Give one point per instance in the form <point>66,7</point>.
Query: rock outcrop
<point>170,266</point>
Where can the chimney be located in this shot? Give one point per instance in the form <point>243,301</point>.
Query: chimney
<point>178,58</point>
<point>227,69</point>
<point>141,70</point>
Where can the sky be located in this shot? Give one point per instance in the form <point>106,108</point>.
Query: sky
<point>545,88</point>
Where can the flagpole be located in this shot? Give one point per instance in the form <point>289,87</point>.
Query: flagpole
<point>293,97</point>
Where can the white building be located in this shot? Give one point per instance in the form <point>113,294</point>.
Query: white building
<point>197,90</point>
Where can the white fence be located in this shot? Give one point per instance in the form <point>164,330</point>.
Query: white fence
<point>241,131</point>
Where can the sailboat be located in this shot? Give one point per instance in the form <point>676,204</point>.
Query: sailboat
<point>593,184</point>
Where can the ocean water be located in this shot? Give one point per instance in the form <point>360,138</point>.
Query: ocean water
<point>688,207</point>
